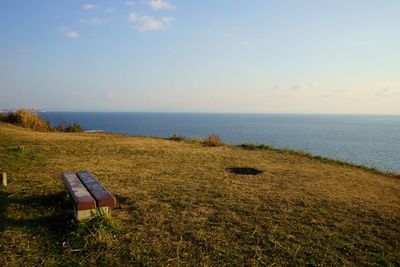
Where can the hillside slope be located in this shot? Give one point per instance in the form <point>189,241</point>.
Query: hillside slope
<point>179,204</point>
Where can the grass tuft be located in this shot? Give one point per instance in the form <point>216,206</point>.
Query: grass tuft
<point>176,137</point>
<point>96,229</point>
<point>213,141</point>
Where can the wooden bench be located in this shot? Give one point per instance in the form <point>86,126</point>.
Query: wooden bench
<point>88,195</point>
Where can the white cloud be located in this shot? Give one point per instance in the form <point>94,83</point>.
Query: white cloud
<point>95,21</point>
<point>110,10</point>
<point>147,23</point>
<point>384,91</point>
<point>70,34</point>
<point>160,4</point>
<point>88,6</point>
<point>129,3</point>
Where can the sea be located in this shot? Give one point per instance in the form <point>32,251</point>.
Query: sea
<point>369,140</point>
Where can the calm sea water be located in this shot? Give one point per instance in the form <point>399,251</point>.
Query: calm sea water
<point>371,140</point>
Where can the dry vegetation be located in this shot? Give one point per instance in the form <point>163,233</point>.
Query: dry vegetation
<point>180,204</point>
<point>213,141</point>
<point>29,119</point>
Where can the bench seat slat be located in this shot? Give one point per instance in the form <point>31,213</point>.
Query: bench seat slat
<point>101,195</point>
<point>83,200</point>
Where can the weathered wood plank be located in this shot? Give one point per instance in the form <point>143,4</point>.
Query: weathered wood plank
<point>83,200</point>
<point>101,195</point>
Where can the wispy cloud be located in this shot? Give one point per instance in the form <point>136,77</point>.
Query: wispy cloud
<point>386,91</point>
<point>160,4</point>
<point>67,32</point>
<point>147,23</point>
<point>129,3</point>
<point>334,93</point>
<point>95,21</point>
<point>299,87</point>
<point>88,6</point>
<point>286,87</point>
<point>109,10</point>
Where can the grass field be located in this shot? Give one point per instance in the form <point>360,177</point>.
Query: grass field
<point>179,204</point>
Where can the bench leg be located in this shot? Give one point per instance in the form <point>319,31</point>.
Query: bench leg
<point>86,214</point>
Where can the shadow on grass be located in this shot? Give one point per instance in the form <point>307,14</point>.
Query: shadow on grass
<point>47,215</point>
<point>244,171</point>
<point>3,207</point>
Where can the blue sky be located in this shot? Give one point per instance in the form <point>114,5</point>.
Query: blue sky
<point>293,56</point>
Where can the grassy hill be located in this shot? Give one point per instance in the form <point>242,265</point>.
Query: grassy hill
<point>180,203</point>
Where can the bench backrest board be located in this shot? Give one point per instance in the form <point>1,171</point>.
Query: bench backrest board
<point>100,194</point>
<point>82,198</point>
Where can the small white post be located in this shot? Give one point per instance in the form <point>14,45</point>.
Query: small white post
<point>4,179</point>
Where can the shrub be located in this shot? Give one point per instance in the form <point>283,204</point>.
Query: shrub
<point>175,137</point>
<point>74,128</point>
<point>28,119</point>
<point>213,141</point>
<point>2,117</point>
<point>61,125</point>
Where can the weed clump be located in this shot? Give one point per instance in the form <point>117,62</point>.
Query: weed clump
<point>93,236</point>
<point>176,137</point>
<point>74,128</point>
<point>63,127</point>
<point>27,119</point>
<point>213,141</point>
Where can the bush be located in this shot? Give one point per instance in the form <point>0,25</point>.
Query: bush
<point>74,128</point>
<point>213,141</point>
<point>175,137</point>
<point>3,117</point>
<point>28,119</point>
<point>61,125</point>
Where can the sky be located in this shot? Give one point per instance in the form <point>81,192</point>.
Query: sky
<point>246,56</point>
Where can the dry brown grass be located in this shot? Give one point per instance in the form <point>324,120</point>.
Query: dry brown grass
<point>179,205</point>
<point>27,119</point>
<point>213,140</point>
